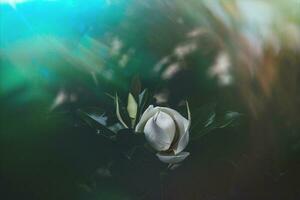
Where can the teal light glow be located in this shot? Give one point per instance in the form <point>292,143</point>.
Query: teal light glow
<point>12,2</point>
<point>40,39</point>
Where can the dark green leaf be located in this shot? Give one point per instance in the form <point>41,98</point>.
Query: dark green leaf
<point>126,138</point>
<point>136,86</point>
<point>91,121</point>
<point>209,120</point>
<point>203,117</point>
<point>143,98</point>
<point>229,119</point>
<point>142,102</point>
<point>120,108</point>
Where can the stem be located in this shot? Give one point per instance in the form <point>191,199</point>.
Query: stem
<point>163,175</point>
<point>161,189</point>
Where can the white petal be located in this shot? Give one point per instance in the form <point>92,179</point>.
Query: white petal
<point>183,126</point>
<point>160,131</point>
<point>148,113</point>
<point>182,142</point>
<point>177,116</point>
<point>172,159</point>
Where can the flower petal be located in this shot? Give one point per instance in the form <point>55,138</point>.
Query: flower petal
<point>160,131</point>
<point>183,126</point>
<point>172,159</point>
<point>177,116</point>
<point>148,113</point>
<point>182,142</point>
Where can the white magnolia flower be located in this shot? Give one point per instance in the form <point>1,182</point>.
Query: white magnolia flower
<point>167,131</point>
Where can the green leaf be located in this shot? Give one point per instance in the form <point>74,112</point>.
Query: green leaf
<point>91,121</point>
<point>101,119</point>
<point>203,117</point>
<point>129,142</point>
<point>136,86</point>
<point>132,107</point>
<point>228,119</point>
<point>188,111</point>
<point>118,112</point>
<point>143,100</point>
<point>209,120</point>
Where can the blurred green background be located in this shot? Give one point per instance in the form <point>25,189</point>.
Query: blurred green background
<point>60,56</point>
